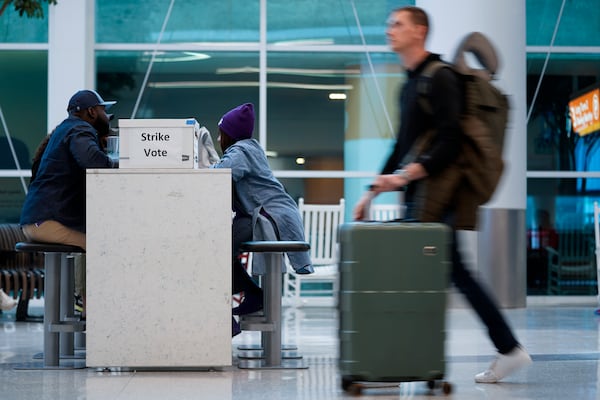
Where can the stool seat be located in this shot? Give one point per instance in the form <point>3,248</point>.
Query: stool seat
<point>42,247</point>
<point>274,246</point>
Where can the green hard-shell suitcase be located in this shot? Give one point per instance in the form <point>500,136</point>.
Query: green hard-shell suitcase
<point>393,286</point>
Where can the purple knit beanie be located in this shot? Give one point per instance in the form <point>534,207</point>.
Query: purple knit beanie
<point>238,123</point>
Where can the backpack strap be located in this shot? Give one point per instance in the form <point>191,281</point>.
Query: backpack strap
<point>424,84</point>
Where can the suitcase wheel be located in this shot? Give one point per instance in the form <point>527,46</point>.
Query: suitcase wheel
<point>355,389</point>
<point>350,384</point>
<point>445,386</point>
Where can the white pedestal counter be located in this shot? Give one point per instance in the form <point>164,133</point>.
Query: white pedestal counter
<point>158,268</point>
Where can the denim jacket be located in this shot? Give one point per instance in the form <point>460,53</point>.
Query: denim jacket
<point>257,188</point>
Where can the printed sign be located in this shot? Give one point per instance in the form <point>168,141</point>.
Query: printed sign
<point>157,143</point>
<point>585,112</point>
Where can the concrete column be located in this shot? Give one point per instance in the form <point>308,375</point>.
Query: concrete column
<point>71,64</point>
<point>501,242</point>
<point>369,137</point>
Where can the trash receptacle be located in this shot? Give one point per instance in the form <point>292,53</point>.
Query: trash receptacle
<point>502,258</point>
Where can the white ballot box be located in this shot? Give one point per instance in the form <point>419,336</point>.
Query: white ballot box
<point>158,143</point>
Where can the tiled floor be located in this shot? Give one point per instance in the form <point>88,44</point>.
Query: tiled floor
<point>560,333</point>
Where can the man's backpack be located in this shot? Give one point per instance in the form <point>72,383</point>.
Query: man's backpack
<point>484,117</point>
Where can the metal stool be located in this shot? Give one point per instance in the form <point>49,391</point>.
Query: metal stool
<point>59,321</point>
<point>270,324</point>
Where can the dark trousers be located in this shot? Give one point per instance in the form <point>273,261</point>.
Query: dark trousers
<point>242,232</point>
<point>498,330</point>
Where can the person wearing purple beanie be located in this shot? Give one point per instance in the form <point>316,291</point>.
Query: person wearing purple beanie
<point>257,195</point>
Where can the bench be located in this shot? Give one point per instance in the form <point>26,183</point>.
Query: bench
<point>59,321</point>
<point>21,274</point>
<point>269,324</point>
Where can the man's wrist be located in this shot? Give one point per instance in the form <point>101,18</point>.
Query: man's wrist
<point>403,173</point>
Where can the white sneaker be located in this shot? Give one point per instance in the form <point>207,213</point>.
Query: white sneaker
<point>6,302</point>
<point>504,365</point>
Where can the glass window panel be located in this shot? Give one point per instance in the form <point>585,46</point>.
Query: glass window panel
<point>24,83</point>
<point>17,29</point>
<point>315,190</point>
<point>24,103</point>
<point>579,24</point>
<point>302,120</point>
<point>12,196</point>
<point>551,144</point>
<point>179,86</point>
<point>217,21</point>
<point>560,217</point>
<point>327,23</point>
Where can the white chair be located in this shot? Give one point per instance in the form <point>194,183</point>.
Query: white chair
<point>572,264</point>
<point>385,212</point>
<point>321,222</point>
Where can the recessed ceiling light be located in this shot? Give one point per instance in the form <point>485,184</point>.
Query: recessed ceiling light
<point>270,85</point>
<point>300,160</point>
<point>337,96</point>
<point>290,71</point>
<point>163,56</point>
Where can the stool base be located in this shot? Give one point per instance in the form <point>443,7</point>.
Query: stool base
<point>78,355</point>
<point>249,347</point>
<point>69,364</point>
<point>261,364</point>
<point>260,354</point>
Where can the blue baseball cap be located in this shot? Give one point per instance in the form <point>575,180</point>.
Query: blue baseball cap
<point>85,99</point>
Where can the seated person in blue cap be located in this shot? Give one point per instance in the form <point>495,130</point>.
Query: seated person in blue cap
<point>257,197</point>
<point>54,207</point>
